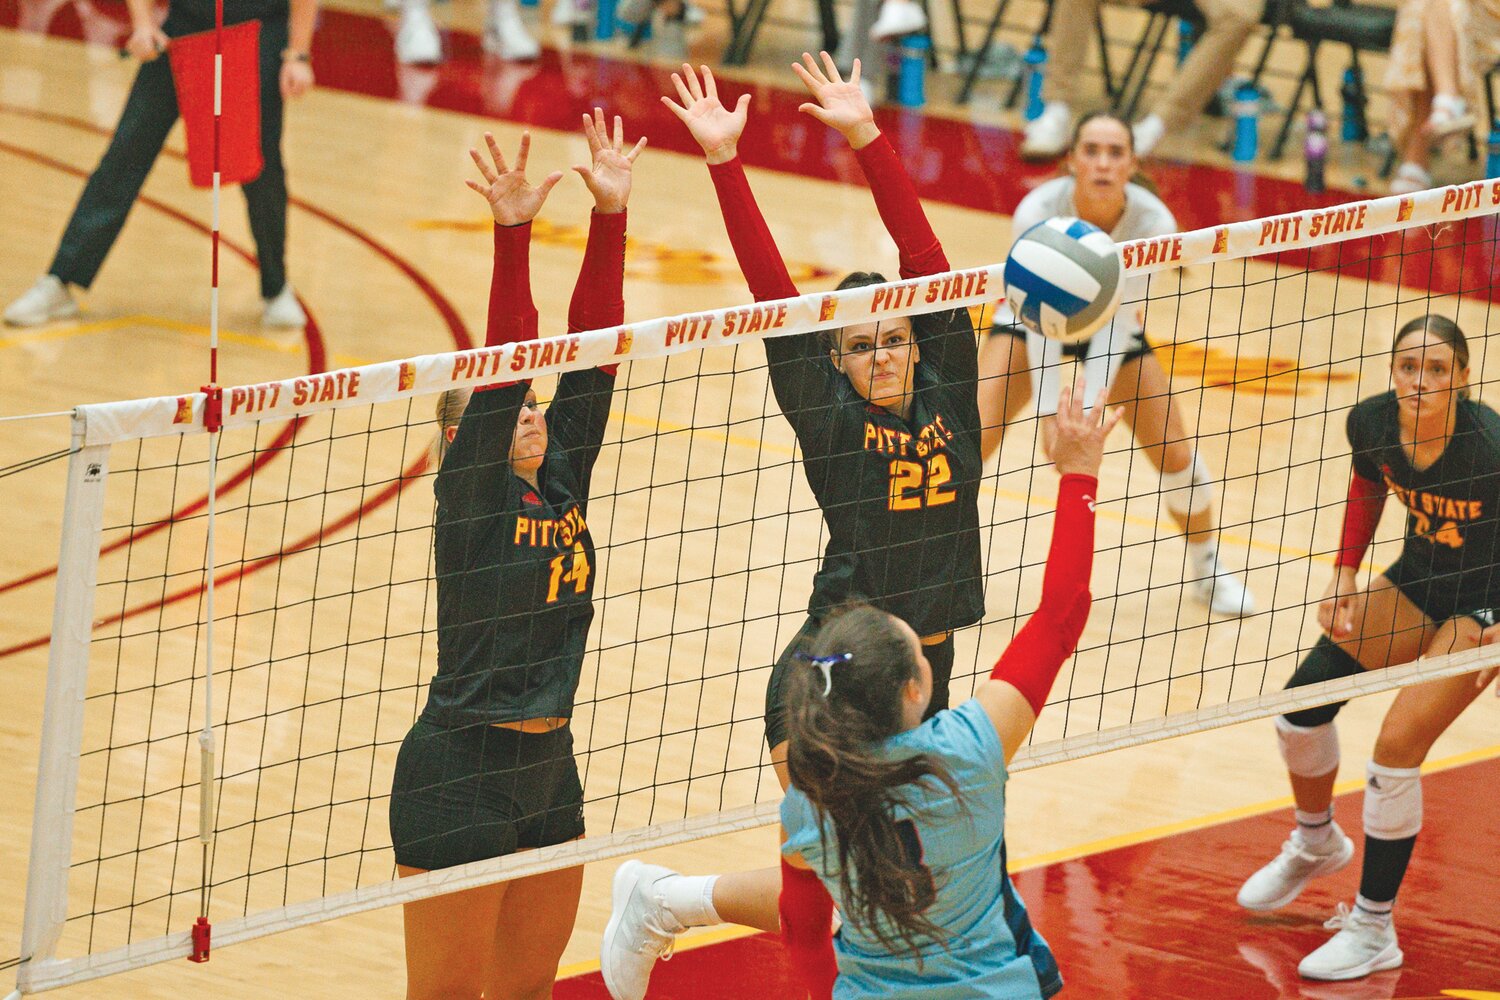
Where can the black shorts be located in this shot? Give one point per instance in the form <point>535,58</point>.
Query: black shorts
<point>1138,348</point>
<point>1443,597</point>
<point>477,792</point>
<point>939,655</point>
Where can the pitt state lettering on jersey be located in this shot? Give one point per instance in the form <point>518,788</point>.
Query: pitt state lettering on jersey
<point>549,532</point>
<point>902,294</point>
<point>1327,222</point>
<point>1430,507</point>
<point>889,441</point>
<point>1463,197</point>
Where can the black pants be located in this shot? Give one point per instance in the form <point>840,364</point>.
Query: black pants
<point>150,112</point>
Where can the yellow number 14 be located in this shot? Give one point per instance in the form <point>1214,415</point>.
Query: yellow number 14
<point>578,576</point>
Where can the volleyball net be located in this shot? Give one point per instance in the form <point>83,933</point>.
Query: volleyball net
<point>227,693</point>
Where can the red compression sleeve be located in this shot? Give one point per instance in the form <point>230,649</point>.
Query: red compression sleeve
<point>901,210</point>
<point>599,297</point>
<point>759,259</point>
<point>807,929</point>
<point>1031,662</point>
<point>512,313</point>
<point>1361,516</point>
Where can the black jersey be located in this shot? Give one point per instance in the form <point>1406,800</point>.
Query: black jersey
<point>1453,506</point>
<point>900,497</point>
<point>515,565</point>
<point>187,17</point>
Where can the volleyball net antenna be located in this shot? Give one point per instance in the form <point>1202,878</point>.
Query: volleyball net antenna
<point>707,540</point>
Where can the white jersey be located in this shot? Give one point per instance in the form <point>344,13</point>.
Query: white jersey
<point>1145,216</point>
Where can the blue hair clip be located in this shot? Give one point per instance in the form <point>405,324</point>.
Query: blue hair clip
<point>826,665</point>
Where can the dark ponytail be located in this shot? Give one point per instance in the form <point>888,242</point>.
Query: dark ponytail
<point>833,757</point>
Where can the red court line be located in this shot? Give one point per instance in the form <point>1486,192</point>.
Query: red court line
<point>317,362</point>
<point>950,160</point>
<point>1158,921</point>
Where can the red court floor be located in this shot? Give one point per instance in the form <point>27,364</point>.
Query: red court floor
<point>1157,921</point>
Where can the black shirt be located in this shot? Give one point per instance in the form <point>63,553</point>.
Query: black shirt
<point>187,17</point>
<point>1453,506</point>
<point>900,497</point>
<point>515,565</point>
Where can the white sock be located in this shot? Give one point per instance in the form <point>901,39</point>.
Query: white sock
<point>1316,828</point>
<point>1203,557</point>
<point>1380,910</point>
<point>690,898</point>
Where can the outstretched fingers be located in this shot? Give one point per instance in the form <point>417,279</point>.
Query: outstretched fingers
<point>710,85</point>
<point>488,174</point>
<point>830,69</point>
<point>521,155</point>
<point>591,134</point>
<point>635,150</point>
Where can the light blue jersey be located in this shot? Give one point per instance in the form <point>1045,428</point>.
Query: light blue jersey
<point>992,951</point>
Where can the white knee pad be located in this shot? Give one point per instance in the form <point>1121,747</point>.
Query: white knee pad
<point>1309,751</point>
<point>1393,802</point>
<point>1188,491</point>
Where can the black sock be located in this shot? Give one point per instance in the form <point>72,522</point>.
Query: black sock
<point>1384,867</point>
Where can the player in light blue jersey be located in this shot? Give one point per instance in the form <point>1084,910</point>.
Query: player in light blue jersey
<point>901,821</point>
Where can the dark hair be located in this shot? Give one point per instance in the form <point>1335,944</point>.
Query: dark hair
<point>1443,329</point>
<point>834,758</point>
<point>1140,177</point>
<point>854,279</point>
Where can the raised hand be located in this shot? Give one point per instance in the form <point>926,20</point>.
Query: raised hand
<point>608,175</point>
<point>841,105</point>
<point>512,199</point>
<point>716,128</point>
<point>1079,445</point>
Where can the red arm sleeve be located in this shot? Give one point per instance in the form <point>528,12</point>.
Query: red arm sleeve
<point>901,210</point>
<point>599,297</point>
<point>1361,516</point>
<point>1031,662</point>
<point>806,929</point>
<point>512,313</point>
<point>759,259</point>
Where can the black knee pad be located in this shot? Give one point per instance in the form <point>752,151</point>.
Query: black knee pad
<point>1323,662</point>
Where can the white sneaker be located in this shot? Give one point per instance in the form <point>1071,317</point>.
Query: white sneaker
<point>640,930</point>
<point>898,18</point>
<point>284,311</point>
<point>1223,592</point>
<point>568,13</point>
<point>1450,116</point>
<point>417,40</point>
<point>505,35</point>
<point>1049,134</point>
<point>1410,178</point>
<point>1365,943</point>
<point>1147,134</point>
<point>47,300</point>
<point>1281,881</point>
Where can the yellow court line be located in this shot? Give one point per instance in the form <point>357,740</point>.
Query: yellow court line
<point>731,932</point>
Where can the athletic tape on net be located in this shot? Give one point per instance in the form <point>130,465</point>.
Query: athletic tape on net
<point>979,286</point>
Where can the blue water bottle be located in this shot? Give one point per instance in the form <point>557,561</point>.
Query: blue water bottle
<point>1187,35</point>
<point>1353,126</point>
<point>1316,151</point>
<point>1246,122</point>
<point>914,49</point>
<point>1036,71</point>
<point>604,20</point>
<point>1492,151</point>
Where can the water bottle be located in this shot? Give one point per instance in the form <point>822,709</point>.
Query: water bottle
<point>914,49</point>
<point>1492,151</point>
<point>1246,122</point>
<point>1316,151</point>
<point>1353,127</point>
<point>1036,70</point>
<point>1187,34</point>
<point>604,20</point>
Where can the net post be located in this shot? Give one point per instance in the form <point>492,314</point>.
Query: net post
<point>46,907</point>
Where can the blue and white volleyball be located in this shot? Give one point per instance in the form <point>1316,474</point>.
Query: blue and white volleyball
<point>1064,279</point>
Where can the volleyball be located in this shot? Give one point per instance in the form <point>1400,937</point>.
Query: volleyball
<point>1064,279</point>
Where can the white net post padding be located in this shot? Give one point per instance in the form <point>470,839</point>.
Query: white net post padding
<point>102,426</point>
